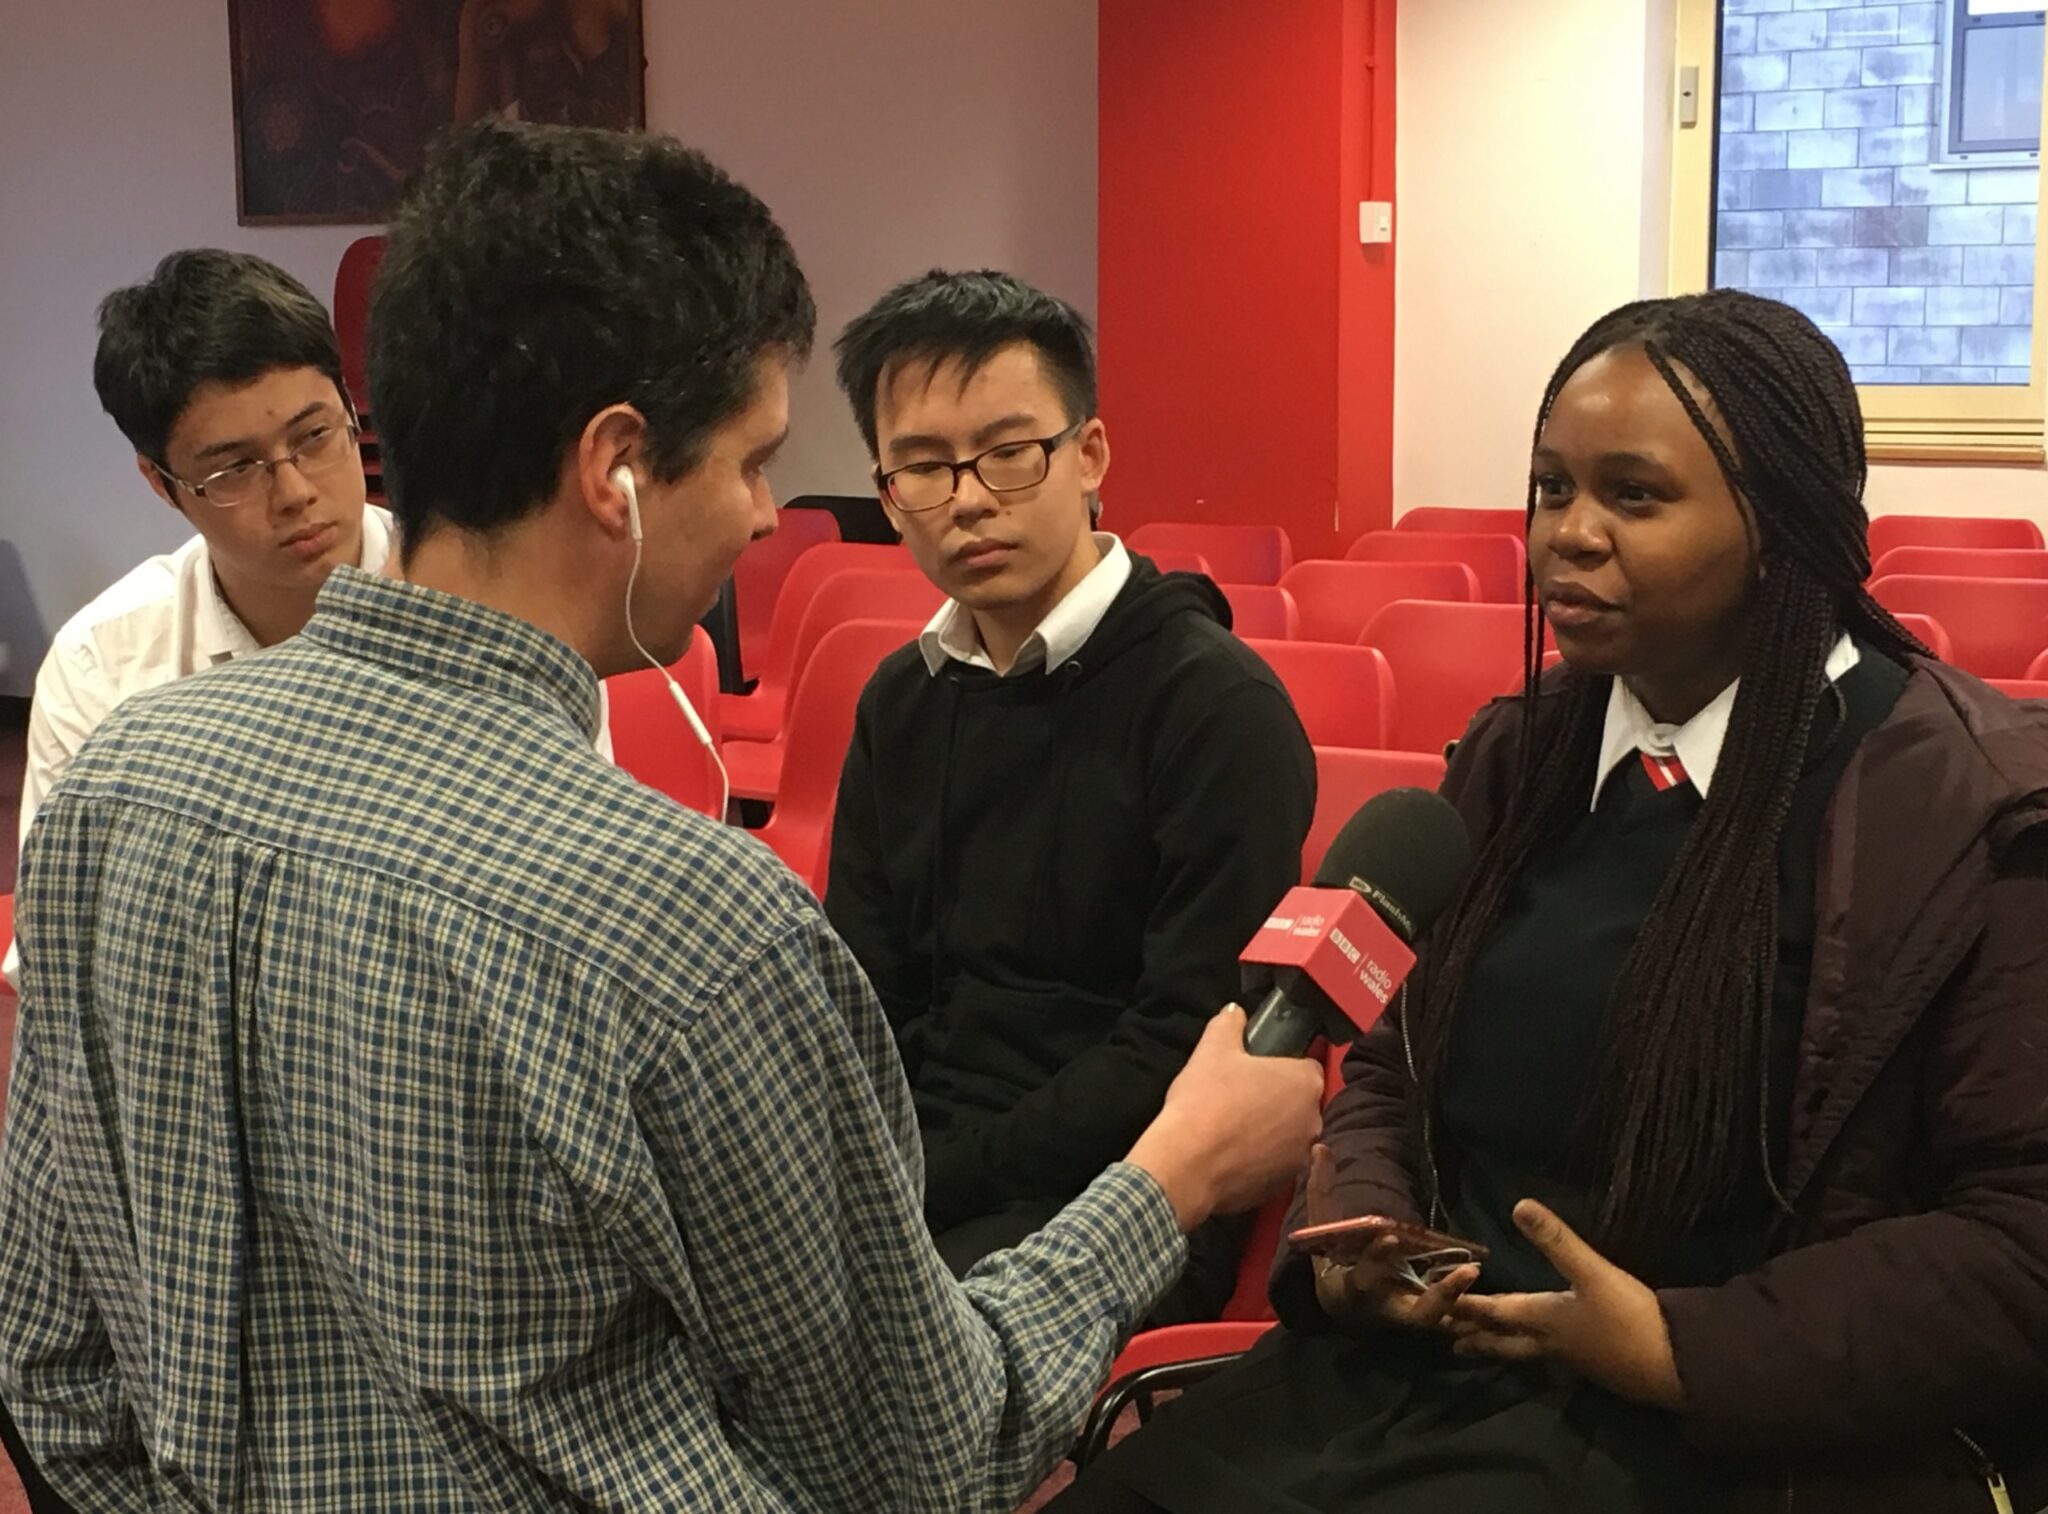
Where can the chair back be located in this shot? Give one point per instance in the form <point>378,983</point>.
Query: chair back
<point>1997,625</point>
<point>1514,522</point>
<point>1338,599</point>
<point>1343,696</point>
<point>1889,531</point>
<point>1496,559</point>
<point>1263,611</point>
<point>820,729</point>
<point>1448,660</point>
<point>1237,554</point>
<point>1346,778</point>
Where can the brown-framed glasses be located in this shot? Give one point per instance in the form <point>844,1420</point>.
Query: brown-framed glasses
<point>1003,469</point>
<point>319,451</point>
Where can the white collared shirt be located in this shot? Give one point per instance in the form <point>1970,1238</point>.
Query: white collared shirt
<point>952,634</point>
<point>1696,744</point>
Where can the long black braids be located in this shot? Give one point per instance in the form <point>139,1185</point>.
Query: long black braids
<point>1679,1102</point>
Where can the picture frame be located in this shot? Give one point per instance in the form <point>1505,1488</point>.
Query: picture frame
<point>336,102</point>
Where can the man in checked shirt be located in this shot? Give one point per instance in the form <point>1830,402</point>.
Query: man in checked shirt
<point>409,1111</point>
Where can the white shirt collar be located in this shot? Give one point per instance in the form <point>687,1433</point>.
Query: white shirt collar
<point>951,634</point>
<point>1697,743</point>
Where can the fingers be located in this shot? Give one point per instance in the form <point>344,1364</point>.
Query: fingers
<point>1515,1313</point>
<point>1226,1026</point>
<point>1431,1308</point>
<point>1576,1261</point>
<point>1319,1206</point>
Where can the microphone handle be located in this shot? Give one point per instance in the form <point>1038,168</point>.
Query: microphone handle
<point>1281,1027</point>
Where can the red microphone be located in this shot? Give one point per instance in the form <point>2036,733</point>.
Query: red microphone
<point>1330,958</point>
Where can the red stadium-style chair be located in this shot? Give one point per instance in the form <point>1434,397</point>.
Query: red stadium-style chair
<point>1513,523</point>
<point>651,739</point>
<point>1889,531</point>
<point>2038,668</point>
<point>352,280</point>
<point>1998,625</point>
<point>1931,635</point>
<point>858,594</point>
<point>1244,554</point>
<point>1346,778</point>
<point>1337,599</point>
<point>1266,612</point>
<point>758,577</point>
<point>1964,562</point>
<point>1496,560</point>
<point>2021,688</point>
<point>1343,695</point>
<point>1178,560</point>
<point>1448,660</point>
<point>820,729</point>
<point>758,716</point>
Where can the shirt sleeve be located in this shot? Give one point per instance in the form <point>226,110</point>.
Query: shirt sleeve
<point>71,698</point>
<point>1231,796</point>
<point>856,1372</point>
<point>57,1365</point>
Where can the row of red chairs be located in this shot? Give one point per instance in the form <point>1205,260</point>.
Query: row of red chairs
<point>1316,600</point>
<point>1261,554</point>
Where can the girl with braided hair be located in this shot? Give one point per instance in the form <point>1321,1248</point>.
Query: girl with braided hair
<point>1734,1050</point>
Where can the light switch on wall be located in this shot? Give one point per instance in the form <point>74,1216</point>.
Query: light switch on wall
<point>1375,221</point>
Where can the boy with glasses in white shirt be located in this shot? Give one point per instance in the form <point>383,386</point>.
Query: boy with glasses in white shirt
<point>224,374</point>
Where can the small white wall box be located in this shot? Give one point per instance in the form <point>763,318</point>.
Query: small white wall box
<point>1375,221</point>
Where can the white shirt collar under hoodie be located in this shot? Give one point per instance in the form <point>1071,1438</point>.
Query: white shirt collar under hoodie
<point>1696,744</point>
<point>952,635</point>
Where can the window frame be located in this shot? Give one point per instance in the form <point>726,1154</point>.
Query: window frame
<point>1950,423</point>
<point>1960,24</point>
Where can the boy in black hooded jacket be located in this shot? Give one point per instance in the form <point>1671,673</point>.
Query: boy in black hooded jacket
<point>1070,803</point>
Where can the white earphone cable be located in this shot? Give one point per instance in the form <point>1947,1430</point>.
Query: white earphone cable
<point>697,726</point>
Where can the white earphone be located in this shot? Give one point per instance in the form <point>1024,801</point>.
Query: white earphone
<point>622,478</point>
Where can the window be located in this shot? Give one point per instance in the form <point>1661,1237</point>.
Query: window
<point>1875,164</point>
<point>1994,79</point>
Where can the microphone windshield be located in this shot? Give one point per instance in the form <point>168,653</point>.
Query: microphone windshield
<point>1406,852</point>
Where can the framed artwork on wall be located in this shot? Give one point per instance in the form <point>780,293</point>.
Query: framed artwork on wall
<point>337,101</point>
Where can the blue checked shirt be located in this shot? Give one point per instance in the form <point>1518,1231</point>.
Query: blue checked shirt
<point>411,1112</point>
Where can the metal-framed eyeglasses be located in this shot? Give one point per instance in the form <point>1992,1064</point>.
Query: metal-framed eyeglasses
<point>1004,468</point>
<point>319,451</point>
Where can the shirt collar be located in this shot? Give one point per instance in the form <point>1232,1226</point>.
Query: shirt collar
<point>951,634</point>
<point>453,640</point>
<point>1630,728</point>
<point>218,634</point>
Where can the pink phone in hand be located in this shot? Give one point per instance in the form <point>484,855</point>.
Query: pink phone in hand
<point>1427,1256</point>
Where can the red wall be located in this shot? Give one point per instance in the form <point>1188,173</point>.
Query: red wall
<point>1247,340</point>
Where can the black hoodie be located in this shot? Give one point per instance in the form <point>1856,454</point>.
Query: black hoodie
<point>1048,878</point>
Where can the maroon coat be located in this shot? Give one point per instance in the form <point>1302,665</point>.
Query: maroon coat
<point>1908,1295</point>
